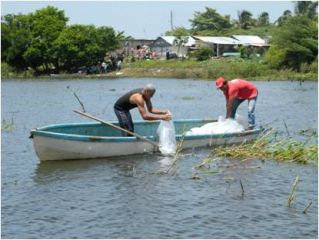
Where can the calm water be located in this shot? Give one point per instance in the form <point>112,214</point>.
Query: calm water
<point>126,197</point>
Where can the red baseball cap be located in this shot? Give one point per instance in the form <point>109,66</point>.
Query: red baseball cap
<point>220,82</point>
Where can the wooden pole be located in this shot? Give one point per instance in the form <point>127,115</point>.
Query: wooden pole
<point>117,127</point>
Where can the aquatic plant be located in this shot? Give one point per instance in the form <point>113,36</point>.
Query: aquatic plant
<point>307,207</point>
<point>188,98</point>
<point>179,148</point>
<point>268,147</point>
<point>308,132</point>
<point>7,126</point>
<point>292,194</point>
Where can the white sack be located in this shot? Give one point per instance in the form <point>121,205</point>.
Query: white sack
<point>242,120</point>
<point>167,141</point>
<point>222,126</point>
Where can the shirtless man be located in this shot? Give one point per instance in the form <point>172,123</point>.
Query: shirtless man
<point>138,98</point>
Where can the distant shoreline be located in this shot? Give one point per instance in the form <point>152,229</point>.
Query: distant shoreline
<point>147,73</point>
<point>205,70</point>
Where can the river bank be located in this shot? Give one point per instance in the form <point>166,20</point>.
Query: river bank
<point>230,68</point>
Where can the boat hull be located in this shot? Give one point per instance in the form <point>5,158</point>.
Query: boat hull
<point>61,149</point>
<point>53,145</point>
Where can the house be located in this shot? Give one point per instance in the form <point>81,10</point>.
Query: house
<point>136,43</point>
<point>131,46</point>
<point>219,45</point>
<point>250,40</point>
<point>170,43</point>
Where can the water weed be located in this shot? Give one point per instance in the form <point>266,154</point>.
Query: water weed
<point>307,207</point>
<point>7,126</point>
<point>268,147</point>
<point>292,194</point>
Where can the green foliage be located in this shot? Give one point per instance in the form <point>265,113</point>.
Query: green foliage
<point>309,68</point>
<point>245,51</point>
<point>266,147</point>
<point>178,32</point>
<point>245,20</point>
<point>42,41</point>
<point>46,26</point>
<point>209,20</point>
<point>15,39</point>
<point>307,8</point>
<point>181,38</point>
<point>275,57</point>
<point>230,68</point>
<point>80,45</point>
<point>8,72</point>
<point>203,54</point>
<point>263,19</point>
<point>286,15</point>
<point>294,43</point>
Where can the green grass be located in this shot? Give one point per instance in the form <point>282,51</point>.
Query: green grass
<point>230,68</point>
<point>8,72</point>
<point>266,147</point>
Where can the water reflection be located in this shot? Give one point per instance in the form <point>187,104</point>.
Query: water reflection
<point>125,166</point>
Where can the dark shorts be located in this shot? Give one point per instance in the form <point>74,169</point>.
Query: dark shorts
<point>125,121</point>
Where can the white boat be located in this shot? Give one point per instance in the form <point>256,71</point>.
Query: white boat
<point>97,140</point>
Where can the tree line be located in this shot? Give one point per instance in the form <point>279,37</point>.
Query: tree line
<point>293,36</point>
<point>44,42</point>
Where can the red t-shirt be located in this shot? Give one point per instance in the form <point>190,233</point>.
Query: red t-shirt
<point>241,89</point>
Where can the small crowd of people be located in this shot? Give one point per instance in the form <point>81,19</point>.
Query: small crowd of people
<point>235,91</point>
<point>113,62</point>
<point>142,52</point>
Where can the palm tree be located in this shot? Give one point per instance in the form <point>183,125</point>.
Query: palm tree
<point>284,17</point>
<point>245,19</point>
<point>180,41</point>
<point>306,8</point>
<point>263,19</point>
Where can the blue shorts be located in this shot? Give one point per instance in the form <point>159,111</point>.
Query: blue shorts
<point>125,121</point>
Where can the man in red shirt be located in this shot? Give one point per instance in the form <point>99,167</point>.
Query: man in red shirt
<point>236,91</point>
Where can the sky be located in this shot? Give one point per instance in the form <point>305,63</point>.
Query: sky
<point>145,19</point>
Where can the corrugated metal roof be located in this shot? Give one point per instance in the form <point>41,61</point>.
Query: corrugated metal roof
<point>218,40</point>
<point>250,40</point>
<point>170,40</point>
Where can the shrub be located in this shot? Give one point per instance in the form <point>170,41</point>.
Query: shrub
<point>275,57</point>
<point>203,54</point>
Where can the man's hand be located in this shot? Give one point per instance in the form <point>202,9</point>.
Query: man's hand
<point>167,117</point>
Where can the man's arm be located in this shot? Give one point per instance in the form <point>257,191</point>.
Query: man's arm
<point>139,101</point>
<point>152,109</point>
<point>229,107</point>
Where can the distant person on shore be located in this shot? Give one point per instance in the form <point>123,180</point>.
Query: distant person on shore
<point>236,91</point>
<point>167,54</point>
<point>138,98</point>
<point>104,66</point>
